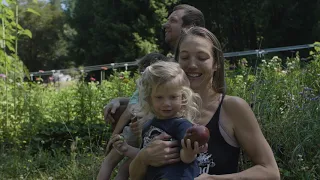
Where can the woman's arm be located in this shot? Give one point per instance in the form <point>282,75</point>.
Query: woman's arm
<point>159,152</point>
<point>138,168</point>
<point>251,140</point>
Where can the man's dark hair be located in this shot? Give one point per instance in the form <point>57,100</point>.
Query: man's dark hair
<point>149,59</point>
<point>192,16</point>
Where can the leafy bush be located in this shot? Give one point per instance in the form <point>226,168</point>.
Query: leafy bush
<point>51,121</point>
<point>285,98</point>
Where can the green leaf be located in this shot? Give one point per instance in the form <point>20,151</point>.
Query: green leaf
<point>27,32</point>
<point>9,13</point>
<point>10,47</point>
<point>33,11</point>
<point>18,26</point>
<point>15,25</point>
<point>317,46</point>
<point>10,2</point>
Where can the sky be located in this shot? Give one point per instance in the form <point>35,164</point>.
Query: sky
<point>62,5</point>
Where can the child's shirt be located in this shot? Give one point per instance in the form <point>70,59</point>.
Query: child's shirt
<point>176,128</point>
<point>135,97</point>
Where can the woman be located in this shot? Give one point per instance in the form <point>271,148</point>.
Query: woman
<point>230,120</point>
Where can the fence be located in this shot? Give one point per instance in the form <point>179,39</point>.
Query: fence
<point>258,53</point>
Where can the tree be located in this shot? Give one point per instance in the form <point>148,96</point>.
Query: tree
<point>116,31</point>
<point>48,48</point>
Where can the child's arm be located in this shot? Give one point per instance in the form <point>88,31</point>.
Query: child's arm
<point>187,153</point>
<point>132,152</point>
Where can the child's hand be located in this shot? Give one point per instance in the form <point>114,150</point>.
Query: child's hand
<point>189,154</point>
<point>187,148</point>
<point>119,144</point>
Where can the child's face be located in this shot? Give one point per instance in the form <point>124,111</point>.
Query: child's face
<point>166,101</point>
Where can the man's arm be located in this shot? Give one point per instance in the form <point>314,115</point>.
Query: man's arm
<point>123,121</point>
<point>123,100</point>
<point>112,107</point>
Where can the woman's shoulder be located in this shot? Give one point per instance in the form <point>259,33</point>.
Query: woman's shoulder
<point>235,107</point>
<point>233,101</point>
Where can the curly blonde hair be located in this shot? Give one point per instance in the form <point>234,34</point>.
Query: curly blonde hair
<point>160,73</point>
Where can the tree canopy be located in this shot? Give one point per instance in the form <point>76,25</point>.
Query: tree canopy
<point>69,33</point>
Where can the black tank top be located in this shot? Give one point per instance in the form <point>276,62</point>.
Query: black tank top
<point>221,158</point>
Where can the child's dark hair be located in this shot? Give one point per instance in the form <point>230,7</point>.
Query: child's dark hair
<point>149,59</point>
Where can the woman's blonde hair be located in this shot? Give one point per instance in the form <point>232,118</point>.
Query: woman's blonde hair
<point>160,73</point>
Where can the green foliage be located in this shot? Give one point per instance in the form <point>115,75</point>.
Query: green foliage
<point>57,130</point>
<point>286,101</point>
<point>56,118</point>
<point>242,25</point>
<point>57,122</point>
<point>48,48</point>
<point>10,31</point>
<point>33,107</point>
<point>105,35</point>
<point>55,136</point>
<point>46,165</point>
<point>105,31</point>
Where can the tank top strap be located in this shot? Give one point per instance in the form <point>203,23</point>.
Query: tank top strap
<point>220,104</point>
<point>224,156</point>
<point>215,118</point>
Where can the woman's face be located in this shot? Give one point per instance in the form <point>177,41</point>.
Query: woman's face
<point>196,59</point>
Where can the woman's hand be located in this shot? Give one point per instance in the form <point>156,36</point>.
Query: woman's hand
<point>160,151</point>
<point>204,177</point>
<point>110,108</point>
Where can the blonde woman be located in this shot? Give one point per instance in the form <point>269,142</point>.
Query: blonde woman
<point>232,124</point>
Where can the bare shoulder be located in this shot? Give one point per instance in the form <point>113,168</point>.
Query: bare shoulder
<point>249,135</point>
<point>237,110</point>
<point>234,103</point>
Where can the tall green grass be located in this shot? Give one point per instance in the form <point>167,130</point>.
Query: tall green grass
<point>59,133</point>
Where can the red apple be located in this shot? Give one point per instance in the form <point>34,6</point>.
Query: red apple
<point>198,133</point>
